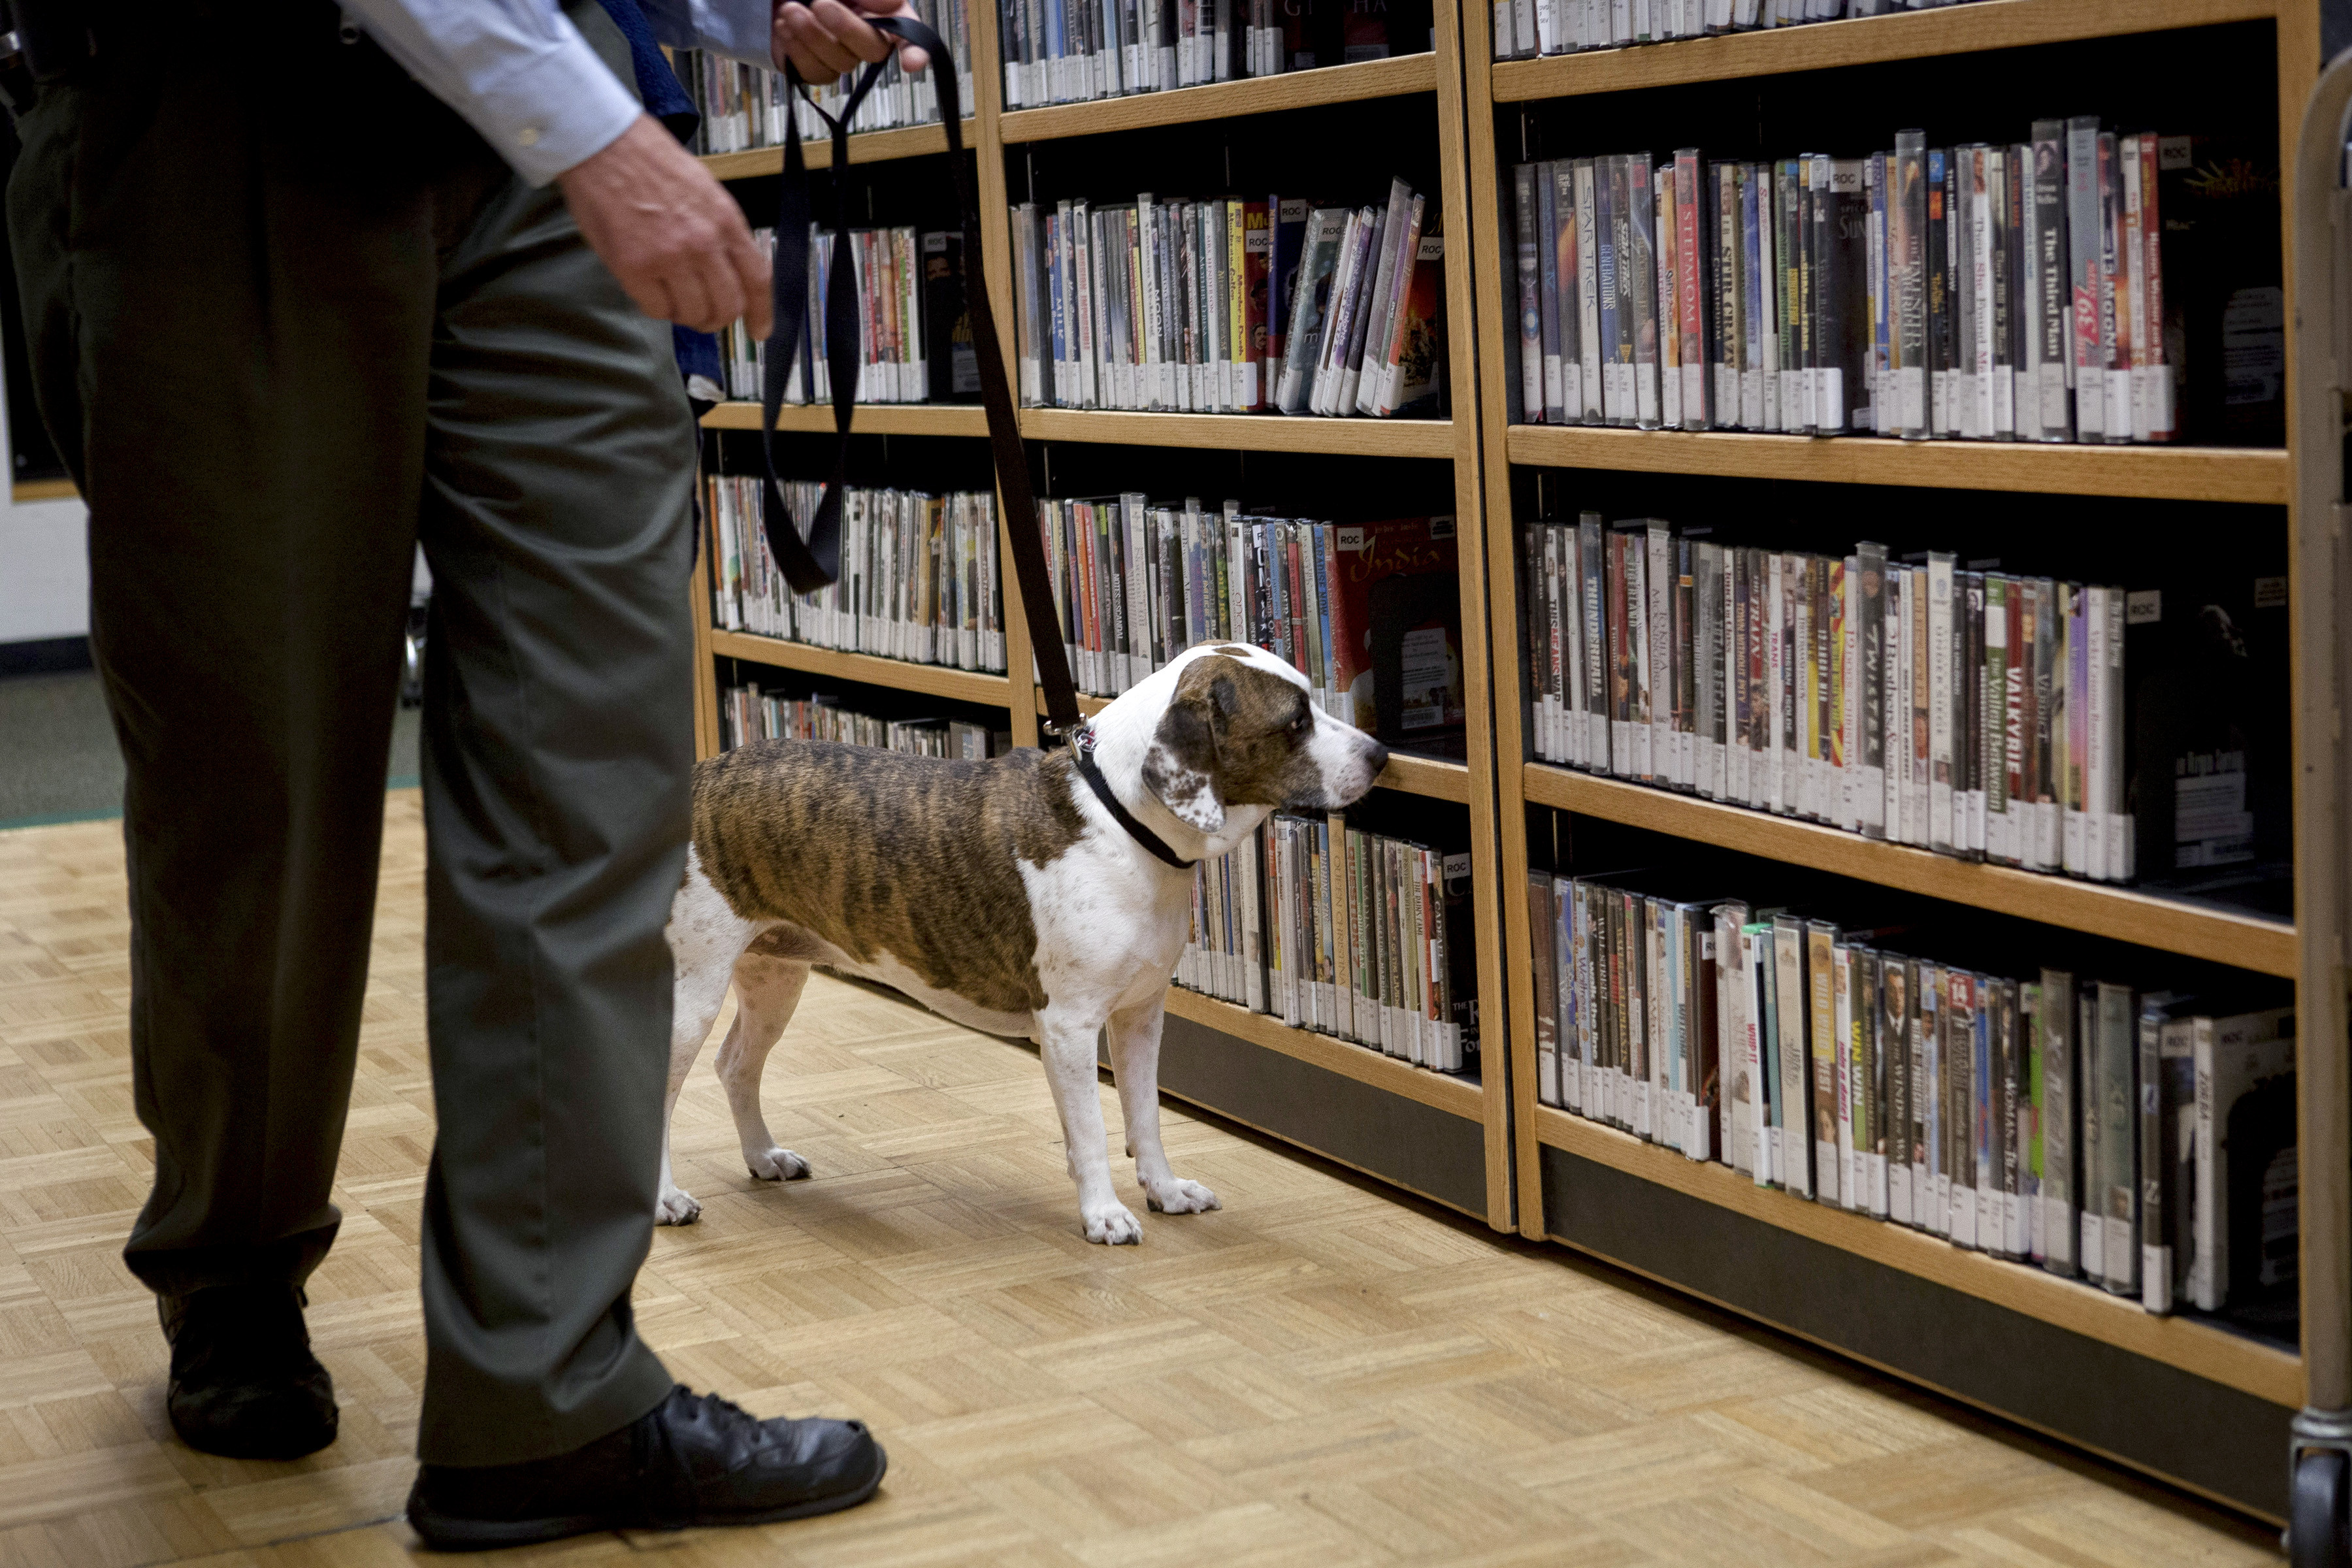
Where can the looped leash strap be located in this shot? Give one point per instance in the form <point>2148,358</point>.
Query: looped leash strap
<point>815,562</point>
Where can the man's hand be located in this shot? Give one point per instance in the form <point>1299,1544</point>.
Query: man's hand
<point>826,38</point>
<point>675,240</point>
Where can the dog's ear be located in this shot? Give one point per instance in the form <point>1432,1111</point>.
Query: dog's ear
<point>1181,768</point>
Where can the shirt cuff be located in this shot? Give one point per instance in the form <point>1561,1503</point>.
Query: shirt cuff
<point>562,106</point>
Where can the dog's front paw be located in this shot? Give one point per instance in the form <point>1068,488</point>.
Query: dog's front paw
<point>1113,1224</point>
<point>676,1207</point>
<point>777,1165</point>
<point>1177,1195</point>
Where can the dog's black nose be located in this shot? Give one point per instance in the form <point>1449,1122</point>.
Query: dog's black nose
<point>1379,757</point>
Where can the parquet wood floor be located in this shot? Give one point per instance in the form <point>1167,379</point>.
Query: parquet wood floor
<point>1318,1374</point>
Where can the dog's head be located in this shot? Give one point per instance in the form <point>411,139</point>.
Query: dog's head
<point>1241,728</point>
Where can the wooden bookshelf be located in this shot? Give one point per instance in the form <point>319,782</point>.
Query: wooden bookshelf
<point>864,147</point>
<point>25,491</point>
<point>2170,925</point>
<point>898,674</point>
<point>2261,476</point>
<point>1471,1116</point>
<point>1528,1151</point>
<point>2216,1354</point>
<point>1751,1250</point>
<point>865,419</point>
<point>1245,432</point>
<point>1222,100</point>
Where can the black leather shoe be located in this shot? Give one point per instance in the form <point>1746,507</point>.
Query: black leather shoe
<point>244,1382</point>
<point>692,1459</point>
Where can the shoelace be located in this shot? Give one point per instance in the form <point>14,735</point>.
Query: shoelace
<point>658,1458</point>
<point>709,1406</point>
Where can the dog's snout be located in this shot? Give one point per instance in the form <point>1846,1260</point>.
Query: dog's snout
<point>1376,756</point>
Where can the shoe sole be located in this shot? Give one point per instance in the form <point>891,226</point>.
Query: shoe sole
<point>442,1533</point>
<point>231,1448</point>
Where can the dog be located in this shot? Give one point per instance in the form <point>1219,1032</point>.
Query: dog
<point>1004,895</point>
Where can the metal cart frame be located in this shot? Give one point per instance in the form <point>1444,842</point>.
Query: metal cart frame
<point>2320,1451</point>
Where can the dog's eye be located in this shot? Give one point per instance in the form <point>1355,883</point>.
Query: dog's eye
<point>1300,725</point>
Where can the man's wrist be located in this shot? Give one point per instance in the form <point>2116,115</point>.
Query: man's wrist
<point>566,179</point>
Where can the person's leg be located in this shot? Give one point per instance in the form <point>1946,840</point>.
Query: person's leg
<point>557,749</point>
<point>243,417</point>
<point>557,754</point>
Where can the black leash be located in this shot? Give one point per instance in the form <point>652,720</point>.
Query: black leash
<point>814,563</point>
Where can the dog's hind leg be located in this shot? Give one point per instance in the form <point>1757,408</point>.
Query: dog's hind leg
<point>1069,1053</point>
<point>705,938</point>
<point>695,1004</point>
<point>1135,1062</point>
<point>767,989</point>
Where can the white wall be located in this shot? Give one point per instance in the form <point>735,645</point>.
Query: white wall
<point>43,566</point>
<point>44,571</point>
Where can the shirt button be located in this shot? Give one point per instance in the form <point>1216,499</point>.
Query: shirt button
<point>528,136</point>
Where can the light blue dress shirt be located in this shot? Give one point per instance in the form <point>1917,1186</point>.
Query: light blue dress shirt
<point>522,75</point>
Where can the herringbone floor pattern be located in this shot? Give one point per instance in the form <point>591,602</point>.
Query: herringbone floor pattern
<point>1317,1375</point>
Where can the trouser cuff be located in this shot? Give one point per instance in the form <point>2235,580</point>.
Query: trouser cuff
<point>497,1428</point>
<point>177,1270</point>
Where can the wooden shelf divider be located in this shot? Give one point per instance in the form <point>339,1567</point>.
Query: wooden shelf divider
<point>1245,432</point>
<point>1454,1095</point>
<point>2232,1360</point>
<point>865,419</point>
<point>2258,475</point>
<point>864,147</point>
<point>1868,40</point>
<point>1222,100</point>
<point>929,679</point>
<point>1433,777</point>
<point>2193,931</point>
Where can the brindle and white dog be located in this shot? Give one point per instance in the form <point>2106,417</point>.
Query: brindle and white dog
<point>1001,894</point>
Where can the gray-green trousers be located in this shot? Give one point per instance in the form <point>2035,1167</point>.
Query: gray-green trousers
<point>290,316</point>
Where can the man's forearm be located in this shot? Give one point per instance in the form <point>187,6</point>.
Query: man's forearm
<point>518,71</point>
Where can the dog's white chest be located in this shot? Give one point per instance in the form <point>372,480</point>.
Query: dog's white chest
<point>1109,926</point>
